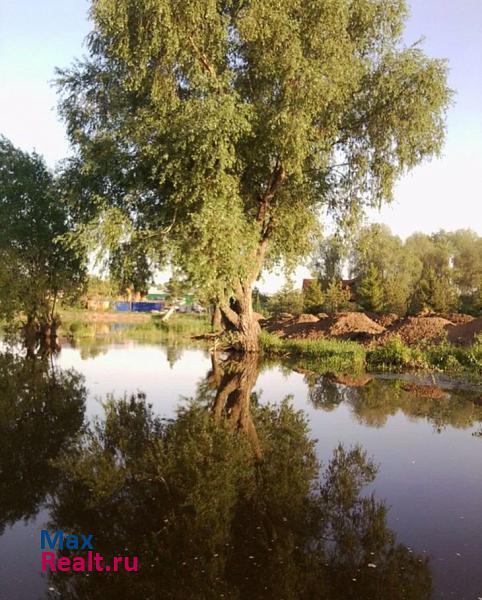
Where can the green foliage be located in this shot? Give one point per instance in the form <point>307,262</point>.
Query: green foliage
<point>337,296</point>
<point>434,291</point>
<point>313,297</point>
<point>439,272</point>
<point>182,324</point>
<point>287,300</point>
<point>98,286</point>
<point>370,291</point>
<point>329,257</point>
<point>393,353</point>
<point>330,355</point>
<point>220,129</point>
<point>79,326</point>
<point>130,268</point>
<point>340,356</point>
<point>35,267</point>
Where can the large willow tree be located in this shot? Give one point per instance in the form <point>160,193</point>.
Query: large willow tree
<point>218,129</point>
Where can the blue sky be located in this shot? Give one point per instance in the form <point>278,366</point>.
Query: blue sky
<point>38,35</point>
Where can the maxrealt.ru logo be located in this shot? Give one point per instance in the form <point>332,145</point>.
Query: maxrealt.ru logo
<point>92,561</point>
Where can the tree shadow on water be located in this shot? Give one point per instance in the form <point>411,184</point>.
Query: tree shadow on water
<point>41,411</point>
<point>227,500</point>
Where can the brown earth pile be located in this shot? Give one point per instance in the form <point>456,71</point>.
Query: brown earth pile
<point>305,318</point>
<point>456,318</point>
<point>384,320</point>
<point>348,325</point>
<point>294,328</point>
<point>418,330</point>
<point>352,323</point>
<point>285,315</point>
<point>465,333</point>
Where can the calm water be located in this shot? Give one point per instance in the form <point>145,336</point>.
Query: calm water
<point>336,492</point>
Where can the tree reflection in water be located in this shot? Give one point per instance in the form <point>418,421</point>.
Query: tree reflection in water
<point>373,404</point>
<point>41,410</point>
<point>229,503</point>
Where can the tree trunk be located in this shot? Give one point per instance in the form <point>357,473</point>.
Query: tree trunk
<point>216,318</point>
<point>241,319</point>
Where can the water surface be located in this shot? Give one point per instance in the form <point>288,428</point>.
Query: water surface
<point>390,510</point>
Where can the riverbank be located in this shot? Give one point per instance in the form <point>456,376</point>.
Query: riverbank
<point>388,353</point>
<point>81,324</point>
<point>393,355</point>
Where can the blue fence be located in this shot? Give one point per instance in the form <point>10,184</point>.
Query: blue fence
<point>146,306</point>
<point>122,306</point>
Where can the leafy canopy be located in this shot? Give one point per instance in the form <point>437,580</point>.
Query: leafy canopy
<point>35,268</point>
<point>221,128</point>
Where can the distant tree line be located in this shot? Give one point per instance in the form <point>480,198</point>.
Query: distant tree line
<point>376,271</point>
<point>441,272</point>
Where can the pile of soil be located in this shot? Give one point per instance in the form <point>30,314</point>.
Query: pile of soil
<point>456,318</point>
<point>418,330</point>
<point>348,325</point>
<point>352,323</point>
<point>359,326</point>
<point>385,320</point>
<point>285,315</point>
<point>305,318</point>
<point>296,327</point>
<point>464,334</point>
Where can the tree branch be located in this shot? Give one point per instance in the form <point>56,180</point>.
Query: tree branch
<point>204,61</point>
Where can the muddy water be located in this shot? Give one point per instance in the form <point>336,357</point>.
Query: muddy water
<point>269,483</point>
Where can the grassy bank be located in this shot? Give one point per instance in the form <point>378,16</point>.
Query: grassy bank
<point>81,325</point>
<point>394,355</point>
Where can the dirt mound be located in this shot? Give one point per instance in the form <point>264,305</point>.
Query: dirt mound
<point>456,318</point>
<point>349,325</point>
<point>418,330</point>
<point>305,318</point>
<point>293,328</point>
<point>285,315</point>
<point>465,333</point>
<point>353,323</point>
<point>385,320</point>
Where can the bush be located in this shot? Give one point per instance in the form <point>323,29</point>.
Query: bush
<point>392,354</point>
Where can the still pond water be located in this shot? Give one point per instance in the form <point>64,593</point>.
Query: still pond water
<point>243,481</point>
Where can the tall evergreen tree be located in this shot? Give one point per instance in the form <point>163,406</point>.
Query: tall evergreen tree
<point>370,290</point>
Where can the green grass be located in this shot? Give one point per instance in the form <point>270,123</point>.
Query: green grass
<point>183,324</point>
<point>179,325</point>
<point>330,355</point>
<point>393,356</point>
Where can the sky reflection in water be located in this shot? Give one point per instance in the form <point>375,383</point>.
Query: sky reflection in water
<point>427,484</point>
